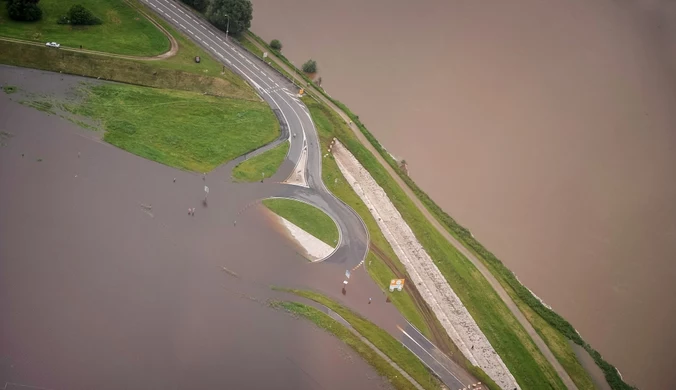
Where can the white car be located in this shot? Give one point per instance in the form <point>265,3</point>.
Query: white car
<point>53,44</point>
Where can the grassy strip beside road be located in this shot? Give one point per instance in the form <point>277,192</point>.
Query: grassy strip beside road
<point>147,73</point>
<point>186,130</point>
<point>380,338</point>
<point>262,165</point>
<point>507,336</point>
<point>337,184</point>
<point>332,326</point>
<point>125,30</point>
<point>306,217</point>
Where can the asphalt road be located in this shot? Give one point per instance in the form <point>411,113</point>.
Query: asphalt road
<point>298,128</point>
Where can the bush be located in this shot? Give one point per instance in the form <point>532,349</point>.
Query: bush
<point>310,66</point>
<point>199,5</point>
<point>81,16</point>
<point>24,10</point>
<point>230,15</point>
<point>276,44</point>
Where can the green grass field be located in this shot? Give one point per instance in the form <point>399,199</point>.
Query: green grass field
<point>262,165</point>
<point>504,332</point>
<point>380,338</point>
<point>181,129</point>
<point>177,72</point>
<point>306,217</point>
<point>125,30</point>
<point>341,332</point>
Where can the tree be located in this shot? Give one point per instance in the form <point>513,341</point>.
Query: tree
<point>199,5</point>
<point>310,66</point>
<point>237,12</point>
<point>24,10</point>
<point>81,16</point>
<point>276,44</point>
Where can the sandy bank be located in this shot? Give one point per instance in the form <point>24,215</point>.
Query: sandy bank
<point>315,249</point>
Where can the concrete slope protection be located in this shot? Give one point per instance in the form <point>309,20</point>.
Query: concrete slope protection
<point>297,125</point>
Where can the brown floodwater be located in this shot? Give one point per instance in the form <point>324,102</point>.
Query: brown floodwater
<point>106,282</point>
<point>546,127</point>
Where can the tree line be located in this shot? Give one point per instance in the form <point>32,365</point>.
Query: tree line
<point>233,16</point>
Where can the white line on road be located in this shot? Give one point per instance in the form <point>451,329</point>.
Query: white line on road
<point>435,359</point>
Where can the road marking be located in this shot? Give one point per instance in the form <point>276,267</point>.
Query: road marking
<point>181,11</point>
<point>255,66</point>
<point>181,25</point>
<point>271,80</point>
<point>241,71</point>
<point>212,33</point>
<point>435,359</point>
<point>247,60</point>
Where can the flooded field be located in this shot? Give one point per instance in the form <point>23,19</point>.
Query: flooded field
<point>546,127</point>
<point>106,282</point>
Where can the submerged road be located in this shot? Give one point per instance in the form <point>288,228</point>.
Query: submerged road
<point>306,155</point>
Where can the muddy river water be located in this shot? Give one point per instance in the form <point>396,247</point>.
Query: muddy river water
<point>546,127</point>
<point>107,283</point>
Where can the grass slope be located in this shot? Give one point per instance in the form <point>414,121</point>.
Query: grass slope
<point>306,217</point>
<point>380,338</point>
<point>181,129</point>
<point>334,327</point>
<point>262,165</point>
<point>177,72</point>
<point>504,332</point>
<point>125,30</point>
<point>337,184</point>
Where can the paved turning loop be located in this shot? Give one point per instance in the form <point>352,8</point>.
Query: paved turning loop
<point>298,128</point>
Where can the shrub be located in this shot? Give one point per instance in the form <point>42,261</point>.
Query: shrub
<point>276,44</point>
<point>199,5</point>
<point>81,16</point>
<point>230,15</point>
<point>310,66</point>
<point>24,10</point>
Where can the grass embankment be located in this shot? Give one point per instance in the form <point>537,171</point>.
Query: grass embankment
<point>181,129</point>
<point>306,217</point>
<point>387,344</point>
<point>334,327</point>
<point>261,166</point>
<point>126,31</point>
<point>381,262</point>
<point>177,72</point>
<point>337,184</point>
<point>551,327</point>
<point>504,332</point>
<point>246,40</point>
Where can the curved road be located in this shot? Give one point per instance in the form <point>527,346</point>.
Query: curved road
<point>298,128</point>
